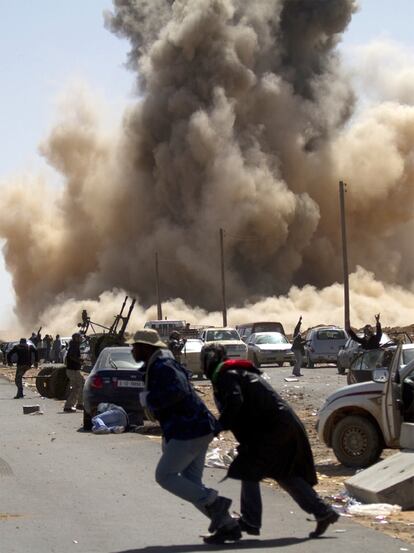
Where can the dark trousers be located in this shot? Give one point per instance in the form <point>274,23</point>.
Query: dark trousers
<point>18,380</point>
<point>298,489</point>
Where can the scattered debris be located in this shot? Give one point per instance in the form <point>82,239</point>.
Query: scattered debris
<point>29,409</point>
<point>373,509</point>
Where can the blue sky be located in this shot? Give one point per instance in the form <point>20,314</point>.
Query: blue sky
<point>46,44</point>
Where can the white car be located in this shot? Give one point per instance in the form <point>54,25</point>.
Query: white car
<point>190,355</point>
<point>227,337</point>
<point>360,420</point>
<point>269,347</point>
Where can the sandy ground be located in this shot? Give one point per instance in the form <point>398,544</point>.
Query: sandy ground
<point>331,474</point>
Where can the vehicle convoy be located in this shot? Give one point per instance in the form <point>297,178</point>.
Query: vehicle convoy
<point>115,378</point>
<point>362,368</point>
<point>229,338</point>
<point>323,344</point>
<point>360,420</point>
<point>269,347</point>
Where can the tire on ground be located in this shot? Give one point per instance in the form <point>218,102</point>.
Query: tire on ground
<point>59,384</point>
<point>356,442</point>
<point>43,382</point>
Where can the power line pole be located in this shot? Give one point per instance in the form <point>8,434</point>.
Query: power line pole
<point>157,288</point>
<point>342,190</point>
<point>223,277</point>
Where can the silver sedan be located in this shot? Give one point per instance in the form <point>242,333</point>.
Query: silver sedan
<point>269,347</point>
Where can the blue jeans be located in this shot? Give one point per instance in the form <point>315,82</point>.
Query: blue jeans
<point>180,471</point>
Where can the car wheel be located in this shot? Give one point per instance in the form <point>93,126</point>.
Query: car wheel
<point>43,382</point>
<point>356,442</point>
<point>59,384</point>
<point>256,361</point>
<point>87,421</point>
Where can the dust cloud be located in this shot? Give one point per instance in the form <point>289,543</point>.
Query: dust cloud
<point>244,120</point>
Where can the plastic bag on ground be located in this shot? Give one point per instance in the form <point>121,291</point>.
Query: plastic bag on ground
<point>373,509</point>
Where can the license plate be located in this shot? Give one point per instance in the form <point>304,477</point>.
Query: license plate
<point>130,384</point>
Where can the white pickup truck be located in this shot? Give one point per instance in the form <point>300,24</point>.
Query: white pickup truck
<point>360,420</point>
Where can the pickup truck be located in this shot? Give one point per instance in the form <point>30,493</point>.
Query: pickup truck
<point>360,420</point>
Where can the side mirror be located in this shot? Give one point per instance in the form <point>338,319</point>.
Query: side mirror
<point>380,375</point>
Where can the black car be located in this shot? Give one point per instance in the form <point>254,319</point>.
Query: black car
<point>115,378</point>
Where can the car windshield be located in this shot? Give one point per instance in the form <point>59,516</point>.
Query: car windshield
<point>221,335</point>
<point>331,334</point>
<point>271,339</point>
<point>119,359</point>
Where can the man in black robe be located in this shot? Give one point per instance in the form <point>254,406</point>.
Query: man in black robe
<point>272,440</point>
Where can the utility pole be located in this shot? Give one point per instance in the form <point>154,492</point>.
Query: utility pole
<point>342,189</point>
<point>223,277</point>
<point>157,288</point>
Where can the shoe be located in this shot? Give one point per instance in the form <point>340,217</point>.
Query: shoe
<point>79,407</point>
<point>323,523</point>
<point>248,528</point>
<point>69,409</point>
<point>18,396</point>
<point>224,534</point>
<point>217,510</point>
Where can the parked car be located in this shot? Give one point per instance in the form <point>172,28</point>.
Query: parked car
<point>269,347</point>
<point>115,378</point>
<point>190,355</point>
<point>247,329</point>
<point>229,338</point>
<point>363,366</point>
<point>323,344</point>
<point>351,349</point>
<point>360,420</point>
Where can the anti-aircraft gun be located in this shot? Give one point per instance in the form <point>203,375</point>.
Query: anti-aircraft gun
<point>114,335</point>
<point>52,381</point>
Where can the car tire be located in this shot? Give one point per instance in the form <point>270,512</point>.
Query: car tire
<point>59,384</point>
<point>87,421</point>
<point>43,382</point>
<point>356,442</point>
<point>256,361</point>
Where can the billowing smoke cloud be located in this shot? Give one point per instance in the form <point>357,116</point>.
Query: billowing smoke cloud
<point>242,123</point>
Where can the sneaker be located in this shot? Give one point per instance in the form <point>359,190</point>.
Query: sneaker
<point>248,528</point>
<point>224,534</point>
<point>323,523</point>
<point>217,511</point>
<point>19,396</point>
<point>69,409</point>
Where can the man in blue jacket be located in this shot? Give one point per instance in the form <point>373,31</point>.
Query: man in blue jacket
<point>188,427</point>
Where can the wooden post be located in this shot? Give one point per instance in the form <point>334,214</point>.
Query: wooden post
<point>157,288</point>
<point>342,189</point>
<point>223,277</point>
